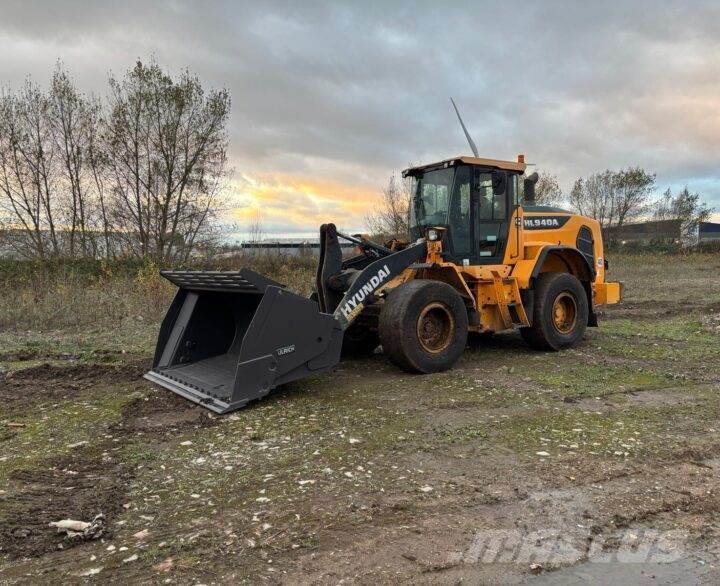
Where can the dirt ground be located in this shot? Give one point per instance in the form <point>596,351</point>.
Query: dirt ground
<point>518,466</point>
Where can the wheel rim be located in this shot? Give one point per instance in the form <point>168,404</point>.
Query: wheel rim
<point>564,313</point>
<point>435,327</point>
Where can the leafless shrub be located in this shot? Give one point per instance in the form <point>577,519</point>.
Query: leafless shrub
<point>392,217</point>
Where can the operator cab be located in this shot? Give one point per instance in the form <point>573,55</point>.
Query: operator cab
<point>473,199</point>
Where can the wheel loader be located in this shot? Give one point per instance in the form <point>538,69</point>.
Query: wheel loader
<point>482,257</point>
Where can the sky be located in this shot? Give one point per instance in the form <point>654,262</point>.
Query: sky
<point>330,99</point>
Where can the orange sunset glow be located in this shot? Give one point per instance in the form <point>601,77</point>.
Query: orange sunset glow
<point>300,202</point>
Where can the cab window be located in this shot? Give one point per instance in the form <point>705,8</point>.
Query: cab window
<point>491,207</point>
<point>435,198</point>
<point>430,203</point>
<point>460,219</point>
<point>513,190</point>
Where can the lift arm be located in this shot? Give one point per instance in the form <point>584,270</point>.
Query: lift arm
<point>345,290</point>
<point>371,278</point>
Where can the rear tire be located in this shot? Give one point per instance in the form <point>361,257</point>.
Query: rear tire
<point>560,312</point>
<point>424,326</point>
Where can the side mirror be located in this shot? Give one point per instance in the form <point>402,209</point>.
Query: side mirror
<point>529,188</point>
<point>499,182</point>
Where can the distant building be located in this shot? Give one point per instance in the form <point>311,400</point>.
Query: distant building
<point>709,231</point>
<point>662,231</point>
<point>289,246</point>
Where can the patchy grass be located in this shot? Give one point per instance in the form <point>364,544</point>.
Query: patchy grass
<point>596,380</point>
<point>681,328</point>
<point>263,466</point>
<point>88,345</point>
<point>55,429</point>
<point>625,433</point>
<point>673,339</point>
<point>680,279</point>
<point>460,435</point>
<point>655,430</point>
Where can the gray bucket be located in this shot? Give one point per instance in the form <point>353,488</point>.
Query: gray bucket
<point>231,337</point>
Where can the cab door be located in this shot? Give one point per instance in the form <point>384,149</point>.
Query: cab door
<point>461,249</point>
<point>491,208</point>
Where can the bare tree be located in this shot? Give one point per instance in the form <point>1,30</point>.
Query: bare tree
<point>98,162</point>
<point>149,172</point>
<point>127,140</point>
<point>169,145</point>
<point>633,188</point>
<point>255,227</point>
<point>547,190</point>
<point>28,171</point>
<point>22,217</point>
<point>686,207</point>
<point>593,197</point>
<point>613,198</point>
<point>391,218</point>
<point>71,118</point>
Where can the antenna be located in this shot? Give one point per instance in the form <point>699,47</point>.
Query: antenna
<point>467,134</point>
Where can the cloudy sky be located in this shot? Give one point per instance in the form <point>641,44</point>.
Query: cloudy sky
<point>329,99</point>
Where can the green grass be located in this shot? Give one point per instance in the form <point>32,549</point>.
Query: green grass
<point>621,434</point>
<point>594,380</point>
<point>631,431</point>
<point>460,390</point>
<point>460,435</point>
<point>682,328</point>
<point>678,338</point>
<point>103,344</point>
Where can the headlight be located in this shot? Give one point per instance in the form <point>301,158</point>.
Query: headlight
<point>433,235</point>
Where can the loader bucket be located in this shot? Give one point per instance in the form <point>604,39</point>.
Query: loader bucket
<point>230,337</point>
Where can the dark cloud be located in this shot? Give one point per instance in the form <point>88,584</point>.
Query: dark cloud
<point>351,91</point>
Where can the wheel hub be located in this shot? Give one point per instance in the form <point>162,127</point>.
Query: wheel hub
<point>435,327</point>
<point>564,313</point>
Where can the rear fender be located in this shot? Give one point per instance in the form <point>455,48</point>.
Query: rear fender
<point>568,260</point>
<point>564,259</point>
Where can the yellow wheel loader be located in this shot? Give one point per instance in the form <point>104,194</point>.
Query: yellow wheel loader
<point>482,258</point>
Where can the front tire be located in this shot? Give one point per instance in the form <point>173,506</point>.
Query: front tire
<point>560,312</point>
<point>424,326</point>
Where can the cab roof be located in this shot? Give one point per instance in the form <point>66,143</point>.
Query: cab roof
<point>517,166</point>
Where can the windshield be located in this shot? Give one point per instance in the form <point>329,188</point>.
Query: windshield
<point>431,199</point>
